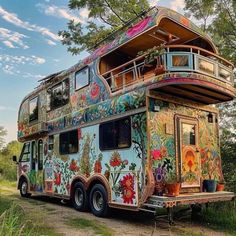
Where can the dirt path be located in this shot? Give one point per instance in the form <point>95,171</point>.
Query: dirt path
<point>52,212</point>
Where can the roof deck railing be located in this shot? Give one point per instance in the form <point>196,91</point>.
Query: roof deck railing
<point>177,58</point>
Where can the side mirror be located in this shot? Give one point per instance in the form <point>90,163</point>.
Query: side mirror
<point>14,158</point>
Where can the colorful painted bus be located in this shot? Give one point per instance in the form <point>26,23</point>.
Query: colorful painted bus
<point>116,129</point>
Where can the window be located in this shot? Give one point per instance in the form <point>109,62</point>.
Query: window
<point>40,154</point>
<point>189,132</point>
<point>58,95</point>
<point>50,143</point>
<point>33,109</point>
<point>115,134</point>
<point>180,60</point>
<point>69,142</point>
<point>81,78</point>
<point>33,156</point>
<point>206,66</point>
<point>25,154</point>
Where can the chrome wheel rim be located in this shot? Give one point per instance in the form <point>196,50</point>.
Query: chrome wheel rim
<point>24,188</point>
<point>79,197</point>
<point>98,201</point>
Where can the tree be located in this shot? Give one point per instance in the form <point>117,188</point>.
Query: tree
<point>105,16</point>
<point>7,167</point>
<point>218,18</point>
<point>3,133</point>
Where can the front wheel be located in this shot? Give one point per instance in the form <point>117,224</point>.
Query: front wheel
<point>98,201</point>
<point>24,189</point>
<point>79,198</point>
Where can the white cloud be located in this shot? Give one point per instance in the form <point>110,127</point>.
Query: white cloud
<point>4,108</point>
<point>9,65</point>
<point>15,20</point>
<point>12,39</point>
<point>177,5</point>
<point>63,12</point>
<point>8,44</point>
<point>17,60</point>
<point>50,42</point>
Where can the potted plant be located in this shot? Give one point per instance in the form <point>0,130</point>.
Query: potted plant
<point>172,184</point>
<point>209,185</point>
<point>154,54</point>
<point>220,185</point>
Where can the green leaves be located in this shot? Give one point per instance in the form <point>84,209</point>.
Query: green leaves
<point>105,16</point>
<point>218,18</point>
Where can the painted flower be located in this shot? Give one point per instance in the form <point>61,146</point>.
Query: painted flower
<point>125,162</point>
<point>128,196</point>
<point>156,154</point>
<point>98,166</point>
<point>127,185</point>
<point>95,91</point>
<point>127,181</point>
<point>73,166</point>
<point>115,159</point>
<point>57,180</point>
<point>163,151</point>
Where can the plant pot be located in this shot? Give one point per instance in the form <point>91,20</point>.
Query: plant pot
<point>220,187</point>
<point>173,189</point>
<point>159,188</point>
<point>209,185</point>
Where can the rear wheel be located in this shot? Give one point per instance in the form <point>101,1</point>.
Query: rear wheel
<point>24,188</point>
<point>79,198</point>
<point>99,201</point>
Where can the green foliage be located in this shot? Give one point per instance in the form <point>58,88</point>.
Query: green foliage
<point>218,18</point>
<point>221,216</point>
<point>105,16</point>
<point>7,166</point>
<point>82,223</point>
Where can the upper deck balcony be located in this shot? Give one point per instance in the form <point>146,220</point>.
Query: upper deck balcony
<point>185,71</point>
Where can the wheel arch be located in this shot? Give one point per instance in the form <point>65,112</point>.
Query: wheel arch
<point>21,178</point>
<point>99,179</point>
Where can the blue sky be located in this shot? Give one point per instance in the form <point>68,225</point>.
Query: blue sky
<point>30,48</point>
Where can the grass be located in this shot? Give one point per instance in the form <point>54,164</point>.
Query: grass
<point>94,225</point>
<point>221,216</point>
<point>7,183</point>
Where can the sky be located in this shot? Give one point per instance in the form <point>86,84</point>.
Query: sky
<point>30,48</point>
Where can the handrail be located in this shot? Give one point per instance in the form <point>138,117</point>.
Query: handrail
<point>166,47</point>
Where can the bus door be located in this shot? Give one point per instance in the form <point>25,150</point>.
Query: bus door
<point>36,173</point>
<point>188,154</point>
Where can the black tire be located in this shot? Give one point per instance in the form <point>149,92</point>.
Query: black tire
<point>79,197</point>
<point>98,201</point>
<point>24,188</point>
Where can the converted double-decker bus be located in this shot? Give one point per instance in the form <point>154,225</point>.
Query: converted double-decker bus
<point>120,127</point>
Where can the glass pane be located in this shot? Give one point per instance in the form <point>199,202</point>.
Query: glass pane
<point>188,134</point>
<point>33,109</point>
<point>33,156</point>
<point>124,133</point>
<point>180,60</point>
<point>58,95</point>
<point>82,78</point>
<point>69,142</point>
<point>224,74</point>
<point>40,154</point>
<point>206,66</point>
<point>25,156</point>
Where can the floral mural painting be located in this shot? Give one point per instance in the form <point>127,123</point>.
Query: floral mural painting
<point>162,146</point>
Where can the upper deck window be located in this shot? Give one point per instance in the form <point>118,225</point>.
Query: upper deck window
<point>82,78</point>
<point>33,109</point>
<point>58,95</point>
